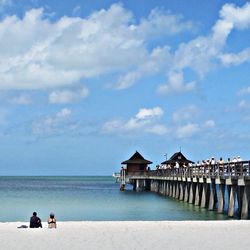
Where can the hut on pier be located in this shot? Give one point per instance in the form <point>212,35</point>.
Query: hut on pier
<point>136,164</point>
<point>177,159</point>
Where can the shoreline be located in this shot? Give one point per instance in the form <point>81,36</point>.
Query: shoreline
<point>230,234</point>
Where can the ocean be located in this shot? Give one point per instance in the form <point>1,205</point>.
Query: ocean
<point>89,199</point>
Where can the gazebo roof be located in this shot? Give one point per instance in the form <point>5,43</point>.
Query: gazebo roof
<point>177,157</point>
<point>136,158</point>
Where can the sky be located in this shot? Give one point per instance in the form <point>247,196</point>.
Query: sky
<point>84,84</point>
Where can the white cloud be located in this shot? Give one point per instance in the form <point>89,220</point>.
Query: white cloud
<point>243,104</point>
<point>67,96</point>
<point>143,118</point>
<point>187,130</point>
<point>157,61</point>
<point>146,120</point>
<point>161,23</point>
<point>158,129</point>
<point>55,124</point>
<point>22,99</point>
<point>203,53</point>
<point>176,85</point>
<point>209,124</point>
<point>185,113</point>
<point>37,53</point>
<point>149,113</point>
<point>244,91</point>
<point>238,16</point>
<point>76,10</point>
<point>65,112</point>
<point>236,59</point>
<point>110,41</point>
<point>188,123</point>
<point>113,126</point>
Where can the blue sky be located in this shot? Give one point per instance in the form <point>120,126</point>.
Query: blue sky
<point>83,84</point>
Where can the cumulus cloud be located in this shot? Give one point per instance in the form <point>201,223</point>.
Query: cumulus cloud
<point>244,91</point>
<point>203,53</point>
<point>158,129</point>
<point>237,58</point>
<point>56,124</point>
<point>111,41</point>
<point>237,16</point>
<point>200,53</point>
<point>149,113</point>
<point>22,99</point>
<point>187,130</point>
<point>160,22</point>
<point>185,113</point>
<point>184,124</point>
<point>76,10</point>
<point>243,104</point>
<point>146,120</point>
<point>63,113</point>
<point>187,122</point>
<point>38,53</point>
<point>156,62</point>
<point>209,124</point>
<point>67,96</point>
<point>176,85</point>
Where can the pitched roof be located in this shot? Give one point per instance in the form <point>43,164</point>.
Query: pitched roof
<point>136,158</point>
<point>177,157</point>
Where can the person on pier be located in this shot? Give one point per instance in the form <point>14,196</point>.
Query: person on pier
<point>221,165</point>
<point>213,166</point>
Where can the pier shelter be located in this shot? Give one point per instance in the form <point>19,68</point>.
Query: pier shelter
<point>179,158</point>
<point>136,164</point>
<point>222,187</point>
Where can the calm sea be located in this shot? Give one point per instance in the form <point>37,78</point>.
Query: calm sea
<point>89,198</point>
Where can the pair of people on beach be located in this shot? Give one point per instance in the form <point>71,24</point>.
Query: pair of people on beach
<point>35,221</point>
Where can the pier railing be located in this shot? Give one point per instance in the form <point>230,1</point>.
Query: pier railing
<point>202,185</point>
<point>232,169</point>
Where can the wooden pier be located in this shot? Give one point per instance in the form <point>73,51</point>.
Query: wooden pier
<point>206,186</point>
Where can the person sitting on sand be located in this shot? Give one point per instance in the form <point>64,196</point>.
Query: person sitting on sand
<point>35,221</point>
<point>51,221</point>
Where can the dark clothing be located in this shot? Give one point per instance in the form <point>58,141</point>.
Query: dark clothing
<point>35,222</point>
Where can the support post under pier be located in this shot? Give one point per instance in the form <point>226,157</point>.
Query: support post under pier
<point>231,202</point>
<point>191,193</point>
<point>177,190</point>
<point>221,200</point>
<point>181,196</point>
<point>213,196</point>
<point>245,203</point>
<point>186,191</point>
<point>197,195</point>
<point>204,195</point>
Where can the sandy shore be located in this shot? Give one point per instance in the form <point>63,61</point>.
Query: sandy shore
<point>128,235</point>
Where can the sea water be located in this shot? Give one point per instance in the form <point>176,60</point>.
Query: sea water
<point>89,199</point>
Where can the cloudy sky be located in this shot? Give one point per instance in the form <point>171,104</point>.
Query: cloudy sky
<point>83,84</point>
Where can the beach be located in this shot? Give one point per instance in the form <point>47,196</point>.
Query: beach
<point>128,235</point>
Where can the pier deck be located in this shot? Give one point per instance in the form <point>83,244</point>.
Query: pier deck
<point>204,186</point>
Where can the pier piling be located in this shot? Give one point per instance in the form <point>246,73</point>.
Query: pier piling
<point>205,188</point>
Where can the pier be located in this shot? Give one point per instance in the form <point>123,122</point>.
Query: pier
<point>207,186</point>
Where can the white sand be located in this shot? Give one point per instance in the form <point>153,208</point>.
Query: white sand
<point>128,235</point>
